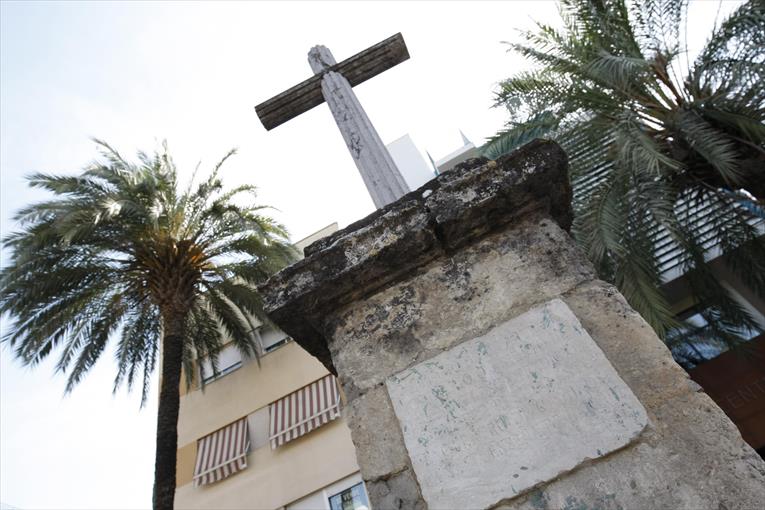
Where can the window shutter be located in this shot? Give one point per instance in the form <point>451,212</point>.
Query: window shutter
<point>302,411</point>
<point>222,453</point>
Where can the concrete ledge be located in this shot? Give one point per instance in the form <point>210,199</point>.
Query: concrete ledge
<point>455,209</point>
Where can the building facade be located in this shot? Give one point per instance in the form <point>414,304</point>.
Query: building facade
<point>733,378</point>
<point>266,433</point>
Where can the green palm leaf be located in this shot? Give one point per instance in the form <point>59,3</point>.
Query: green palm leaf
<point>657,159</point>
<point>119,255</point>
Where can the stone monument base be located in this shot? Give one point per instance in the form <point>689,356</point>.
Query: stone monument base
<point>485,365</point>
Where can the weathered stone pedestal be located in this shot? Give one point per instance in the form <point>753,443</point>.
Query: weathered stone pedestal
<point>485,366</point>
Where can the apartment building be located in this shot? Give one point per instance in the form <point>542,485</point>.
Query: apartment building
<point>734,379</point>
<point>266,433</point>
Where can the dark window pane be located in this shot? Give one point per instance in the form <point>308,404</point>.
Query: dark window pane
<point>353,498</point>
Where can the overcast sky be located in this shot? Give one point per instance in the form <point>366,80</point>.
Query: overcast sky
<point>136,73</point>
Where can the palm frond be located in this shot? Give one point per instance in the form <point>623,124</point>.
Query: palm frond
<point>110,257</point>
<point>654,156</point>
<point>516,135</point>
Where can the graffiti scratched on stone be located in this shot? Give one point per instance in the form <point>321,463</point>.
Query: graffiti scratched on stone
<point>499,414</point>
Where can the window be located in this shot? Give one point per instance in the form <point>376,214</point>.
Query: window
<point>257,423</point>
<point>698,341</point>
<point>271,338</point>
<point>229,359</point>
<point>346,493</point>
<point>353,498</point>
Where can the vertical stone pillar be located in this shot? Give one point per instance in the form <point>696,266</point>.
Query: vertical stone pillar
<point>485,366</point>
<point>380,174</point>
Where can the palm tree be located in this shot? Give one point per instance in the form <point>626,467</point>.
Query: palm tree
<point>120,254</point>
<point>667,157</point>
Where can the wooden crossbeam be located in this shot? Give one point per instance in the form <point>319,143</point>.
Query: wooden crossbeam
<point>356,69</point>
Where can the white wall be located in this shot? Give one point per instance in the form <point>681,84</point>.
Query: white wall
<point>410,162</point>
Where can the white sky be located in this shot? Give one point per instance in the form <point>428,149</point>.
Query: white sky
<point>136,73</point>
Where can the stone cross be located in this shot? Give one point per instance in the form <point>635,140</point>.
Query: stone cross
<point>484,365</point>
<point>333,82</point>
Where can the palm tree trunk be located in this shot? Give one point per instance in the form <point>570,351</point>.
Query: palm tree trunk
<point>167,415</point>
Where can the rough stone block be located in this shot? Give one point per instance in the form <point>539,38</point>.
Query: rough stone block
<point>385,246</point>
<point>691,458</point>
<point>496,415</point>
<point>452,210</point>
<point>475,199</point>
<point>375,432</point>
<point>630,344</point>
<point>454,299</point>
<point>400,492</point>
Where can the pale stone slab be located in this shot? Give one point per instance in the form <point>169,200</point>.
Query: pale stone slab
<point>499,414</point>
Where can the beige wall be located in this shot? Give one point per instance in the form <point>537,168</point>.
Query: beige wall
<point>329,229</point>
<point>274,478</point>
<point>245,390</point>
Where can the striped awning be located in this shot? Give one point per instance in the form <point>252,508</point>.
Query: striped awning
<point>222,453</point>
<point>302,411</point>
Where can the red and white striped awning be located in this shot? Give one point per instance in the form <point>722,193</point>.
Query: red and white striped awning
<point>222,453</point>
<point>302,411</point>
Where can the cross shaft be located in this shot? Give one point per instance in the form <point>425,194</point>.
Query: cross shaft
<point>333,83</point>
